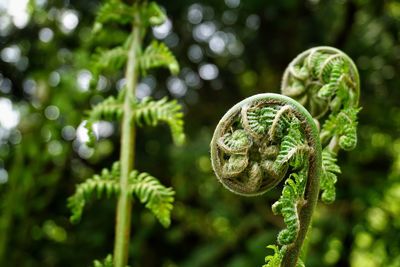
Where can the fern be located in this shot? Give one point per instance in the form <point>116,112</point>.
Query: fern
<point>106,183</point>
<point>235,142</point>
<point>155,16</point>
<point>107,262</point>
<point>114,11</point>
<point>151,112</point>
<point>158,55</point>
<point>157,197</point>
<point>292,195</point>
<point>329,175</point>
<point>292,149</point>
<point>109,109</point>
<point>343,125</point>
<point>109,60</point>
<point>129,55</point>
<point>275,259</point>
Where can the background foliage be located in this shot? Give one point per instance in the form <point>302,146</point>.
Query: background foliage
<point>228,50</point>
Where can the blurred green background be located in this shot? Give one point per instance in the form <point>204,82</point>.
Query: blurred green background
<point>228,50</point>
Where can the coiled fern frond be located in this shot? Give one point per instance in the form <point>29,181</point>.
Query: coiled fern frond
<point>105,183</point>
<point>150,112</point>
<point>326,82</point>
<point>258,143</point>
<point>157,198</point>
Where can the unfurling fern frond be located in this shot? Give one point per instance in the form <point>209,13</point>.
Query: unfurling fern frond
<point>236,142</point>
<point>292,195</point>
<point>328,179</point>
<point>106,182</point>
<point>344,126</point>
<point>293,149</point>
<point>157,197</point>
<point>150,112</point>
<point>157,54</point>
<point>109,60</point>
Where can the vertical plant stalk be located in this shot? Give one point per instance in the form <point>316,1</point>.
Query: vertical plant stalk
<point>127,154</point>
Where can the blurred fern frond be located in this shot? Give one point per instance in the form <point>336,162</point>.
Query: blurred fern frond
<point>106,182</point>
<point>109,109</point>
<point>115,12</point>
<point>157,54</point>
<point>151,112</point>
<point>156,197</point>
<point>109,60</point>
<point>107,262</point>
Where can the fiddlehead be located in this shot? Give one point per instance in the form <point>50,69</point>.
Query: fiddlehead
<point>326,82</point>
<point>258,143</point>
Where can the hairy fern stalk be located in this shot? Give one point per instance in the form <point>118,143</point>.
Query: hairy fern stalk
<point>268,138</point>
<point>122,180</point>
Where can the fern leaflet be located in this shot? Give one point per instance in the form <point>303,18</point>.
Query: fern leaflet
<point>292,195</point>
<point>115,11</point>
<point>157,197</point>
<point>343,125</point>
<point>107,262</point>
<point>150,112</point>
<point>109,60</point>
<point>157,54</point>
<point>329,178</point>
<point>106,182</point>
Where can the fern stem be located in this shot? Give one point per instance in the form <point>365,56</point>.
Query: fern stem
<point>127,154</point>
<point>311,198</point>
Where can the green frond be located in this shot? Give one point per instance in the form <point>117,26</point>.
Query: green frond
<point>158,198</point>
<point>109,60</point>
<point>109,109</point>
<point>157,54</point>
<point>292,194</point>
<point>257,120</point>
<point>107,262</point>
<point>114,11</point>
<point>236,142</point>
<point>275,259</point>
<point>236,164</point>
<point>344,126</point>
<point>329,175</point>
<point>293,148</point>
<point>151,112</point>
<point>154,14</point>
<point>106,182</point>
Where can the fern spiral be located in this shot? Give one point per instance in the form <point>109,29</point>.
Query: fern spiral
<point>326,81</point>
<point>268,138</point>
<point>261,141</point>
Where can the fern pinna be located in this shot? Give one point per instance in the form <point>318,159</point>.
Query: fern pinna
<point>122,180</point>
<point>268,138</point>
